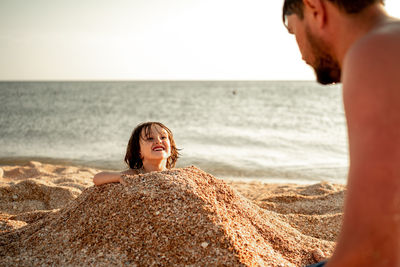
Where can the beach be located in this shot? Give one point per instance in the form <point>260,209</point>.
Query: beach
<point>53,215</point>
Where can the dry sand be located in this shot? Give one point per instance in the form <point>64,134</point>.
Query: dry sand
<point>52,215</point>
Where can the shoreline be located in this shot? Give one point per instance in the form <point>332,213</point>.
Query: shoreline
<point>225,175</point>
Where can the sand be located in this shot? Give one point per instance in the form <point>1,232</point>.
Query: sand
<point>53,215</point>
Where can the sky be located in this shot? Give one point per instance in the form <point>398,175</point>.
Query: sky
<point>149,40</point>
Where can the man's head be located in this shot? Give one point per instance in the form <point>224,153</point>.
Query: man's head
<point>354,6</point>
<point>316,51</point>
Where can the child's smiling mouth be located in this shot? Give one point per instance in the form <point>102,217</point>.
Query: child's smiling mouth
<point>158,148</point>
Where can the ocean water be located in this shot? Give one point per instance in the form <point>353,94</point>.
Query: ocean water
<point>290,131</point>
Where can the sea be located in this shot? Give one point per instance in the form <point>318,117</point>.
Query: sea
<point>268,131</point>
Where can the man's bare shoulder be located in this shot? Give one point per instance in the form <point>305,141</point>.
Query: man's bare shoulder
<point>375,57</point>
<point>384,39</point>
<point>371,79</point>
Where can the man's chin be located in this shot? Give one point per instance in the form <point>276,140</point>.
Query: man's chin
<point>327,81</point>
<point>326,77</point>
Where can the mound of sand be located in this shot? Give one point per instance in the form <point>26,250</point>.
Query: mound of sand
<point>177,217</point>
<point>41,186</point>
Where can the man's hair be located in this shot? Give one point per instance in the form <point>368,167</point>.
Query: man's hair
<point>132,156</point>
<point>349,6</point>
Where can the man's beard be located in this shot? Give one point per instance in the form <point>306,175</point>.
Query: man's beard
<point>326,68</point>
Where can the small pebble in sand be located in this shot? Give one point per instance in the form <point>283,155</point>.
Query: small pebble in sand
<point>204,244</point>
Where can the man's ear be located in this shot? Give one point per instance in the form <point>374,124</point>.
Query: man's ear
<point>317,11</point>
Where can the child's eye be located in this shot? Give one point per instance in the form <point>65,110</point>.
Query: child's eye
<point>163,137</point>
<point>150,138</point>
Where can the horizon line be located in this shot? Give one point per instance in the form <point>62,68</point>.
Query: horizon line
<point>160,80</point>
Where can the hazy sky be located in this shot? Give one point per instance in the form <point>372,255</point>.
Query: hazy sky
<point>149,40</point>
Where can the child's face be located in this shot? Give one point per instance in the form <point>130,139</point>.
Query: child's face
<point>156,146</point>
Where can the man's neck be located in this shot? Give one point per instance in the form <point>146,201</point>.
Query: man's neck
<point>155,165</point>
<point>348,29</point>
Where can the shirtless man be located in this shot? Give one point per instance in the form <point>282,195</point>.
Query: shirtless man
<point>355,42</point>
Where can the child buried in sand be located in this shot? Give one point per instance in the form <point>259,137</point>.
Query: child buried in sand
<point>150,148</point>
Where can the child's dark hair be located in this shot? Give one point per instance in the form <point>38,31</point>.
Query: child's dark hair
<point>132,156</point>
